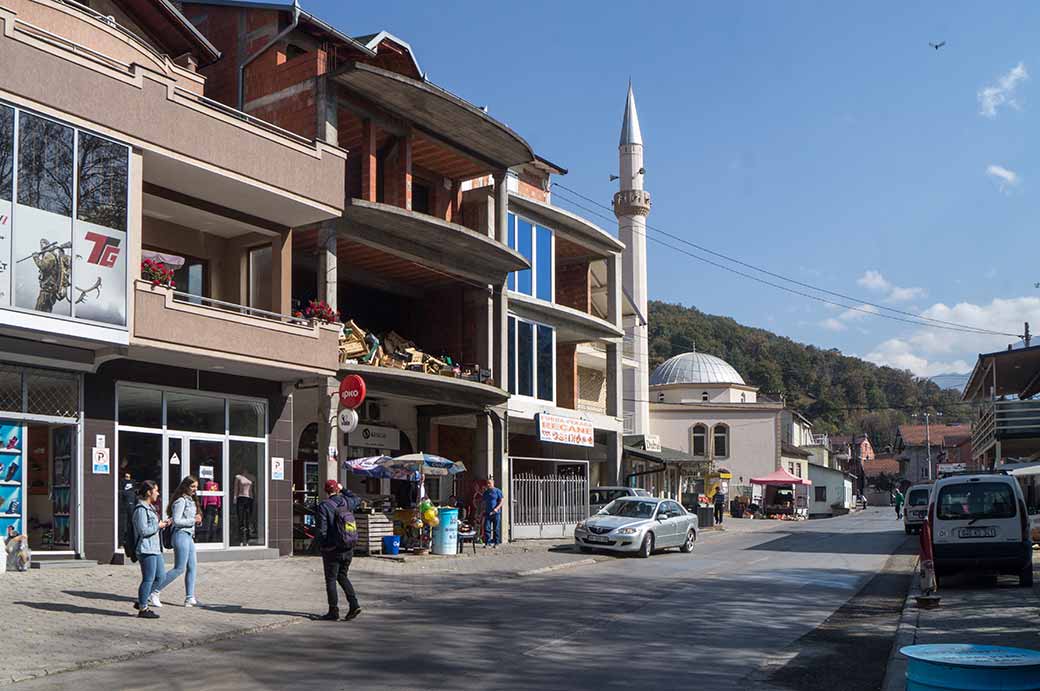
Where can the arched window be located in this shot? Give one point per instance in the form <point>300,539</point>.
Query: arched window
<point>743,398</point>
<point>721,441</point>
<point>699,441</point>
<point>704,395</point>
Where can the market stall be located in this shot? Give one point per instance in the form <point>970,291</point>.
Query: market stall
<point>784,496</point>
<point>417,523</point>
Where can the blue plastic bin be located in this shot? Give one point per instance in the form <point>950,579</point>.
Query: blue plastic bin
<point>392,544</point>
<point>446,534</point>
<point>968,667</point>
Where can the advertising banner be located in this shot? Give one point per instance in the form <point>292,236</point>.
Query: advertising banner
<point>42,261</point>
<point>565,430</point>
<point>99,288</point>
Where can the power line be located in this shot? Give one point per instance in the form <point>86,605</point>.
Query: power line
<point>953,326</point>
<point>697,404</point>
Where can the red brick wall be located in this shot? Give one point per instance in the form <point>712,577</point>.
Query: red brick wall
<point>531,187</point>
<point>566,376</point>
<point>573,288</point>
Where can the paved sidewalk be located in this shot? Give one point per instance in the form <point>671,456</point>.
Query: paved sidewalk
<point>973,609</point>
<point>68,618</point>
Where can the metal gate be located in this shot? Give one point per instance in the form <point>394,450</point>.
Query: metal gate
<point>548,506</point>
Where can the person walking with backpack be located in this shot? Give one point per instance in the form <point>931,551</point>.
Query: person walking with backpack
<point>184,512</point>
<point>337,535</point>
<point>146,547</point>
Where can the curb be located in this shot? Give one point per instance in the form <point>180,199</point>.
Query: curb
<point>906,634</point>
<point>557,567</point>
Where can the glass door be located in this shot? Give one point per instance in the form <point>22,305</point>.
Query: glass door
<point>206,463</point>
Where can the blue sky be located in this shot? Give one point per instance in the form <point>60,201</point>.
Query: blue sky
<point>825,141</point>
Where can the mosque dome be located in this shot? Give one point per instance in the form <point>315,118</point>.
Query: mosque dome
<point>695,368</point>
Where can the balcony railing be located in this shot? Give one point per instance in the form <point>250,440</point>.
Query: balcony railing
<point>191,299</point>
<point>1005,419</point>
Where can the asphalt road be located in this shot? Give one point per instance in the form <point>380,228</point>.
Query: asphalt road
<point>746,610</point>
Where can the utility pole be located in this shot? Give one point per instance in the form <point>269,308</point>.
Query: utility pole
<point>928,444</point>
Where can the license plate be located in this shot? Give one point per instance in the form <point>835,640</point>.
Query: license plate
<point>597,538</point>
<point>978,532</point>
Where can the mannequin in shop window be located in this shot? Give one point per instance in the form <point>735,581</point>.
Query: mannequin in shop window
<point>210,527</point>
<point>244,499</point>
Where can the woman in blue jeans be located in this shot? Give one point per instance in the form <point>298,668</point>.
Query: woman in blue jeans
<point>185,514</point>
<point>149,551</point>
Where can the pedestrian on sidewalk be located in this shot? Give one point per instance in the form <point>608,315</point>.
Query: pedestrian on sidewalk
<point>493,499</point>
<point>720,505</point>
<point>337,535</point>
<point>147,525</point>
<point>898,499</point>
<point>184,512</point>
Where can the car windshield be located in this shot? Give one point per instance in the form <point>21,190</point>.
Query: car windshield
<point>974,500</point>
<point>631,509</point>
<point>918,497</point>
<point>605,496</point>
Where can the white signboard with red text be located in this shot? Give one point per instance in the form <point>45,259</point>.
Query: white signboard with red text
<point>565,430</point>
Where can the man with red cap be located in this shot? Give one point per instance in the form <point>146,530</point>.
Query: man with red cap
<point>337,535</point>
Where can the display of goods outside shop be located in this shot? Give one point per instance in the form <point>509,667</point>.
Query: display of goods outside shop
<point>393,350</point>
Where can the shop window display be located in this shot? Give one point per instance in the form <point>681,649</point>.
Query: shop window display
<point>140,458</point>
<point>11,472</point>
<point>247,486</point>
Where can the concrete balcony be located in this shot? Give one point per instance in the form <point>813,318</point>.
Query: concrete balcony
<point>65,61</point>
<point>427,389</point>
<point>202,333</point>
<point>572,326</point>
<point>1007,429</point>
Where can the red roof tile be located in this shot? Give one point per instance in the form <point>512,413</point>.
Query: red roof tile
<point>914,435</point>
<point>882,464</point>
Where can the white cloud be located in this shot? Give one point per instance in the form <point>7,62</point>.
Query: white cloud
<point>849,315</point>
<point>876,282</point>
<point>1005,179</point>
<point>928,351</point>
<point>832,324</point>
<point>1002,93</point>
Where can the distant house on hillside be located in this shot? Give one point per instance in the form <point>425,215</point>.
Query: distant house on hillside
<point>883,465</point>
<point>855,450</point>
<point>917,444</point>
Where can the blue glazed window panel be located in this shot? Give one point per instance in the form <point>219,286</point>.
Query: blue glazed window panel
<point>525,358</point>
<point>511,231</point>
<point>544,264</point>
<point>512,354</point>
<point>546,364</point>
<point>524,231</point>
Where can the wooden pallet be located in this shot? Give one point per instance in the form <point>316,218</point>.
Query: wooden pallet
<point>372,528</point>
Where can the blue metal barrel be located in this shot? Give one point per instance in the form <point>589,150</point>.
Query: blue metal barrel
<point>446,534</point>
<point>965,667</point>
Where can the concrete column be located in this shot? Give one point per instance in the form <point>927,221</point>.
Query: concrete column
<point>327,112</point>
<point>281,273</point>
<point>615,376</point>
<point>500,466</point>
<point>328,269</point>
<point>328,433</point>
<point>368,161</point>
<point>612,468</point>
<point>483,447</point>
<point>135,231</point>
<point>500,367</point>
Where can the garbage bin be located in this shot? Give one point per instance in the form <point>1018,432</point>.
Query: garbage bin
<point>736,509</point>
<point>705,516</point>
<point>446,534</point>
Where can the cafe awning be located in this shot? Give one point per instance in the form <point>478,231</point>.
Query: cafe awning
<point>780,477</point>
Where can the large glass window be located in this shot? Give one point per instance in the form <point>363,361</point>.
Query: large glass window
<point>246,478</point>
<point>140,458</point>
<point>63,219</point>
<point>532,359</point>
<point>699,442</point>
<point>721,440</point>
<point>192,413</point>
<point>535,243</point>
<point>246,418</point>
<point>140,407</point>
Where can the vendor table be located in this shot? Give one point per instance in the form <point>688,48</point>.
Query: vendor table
<point>372,528</point>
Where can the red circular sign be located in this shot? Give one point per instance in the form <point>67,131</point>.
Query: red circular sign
<point>352,391</point>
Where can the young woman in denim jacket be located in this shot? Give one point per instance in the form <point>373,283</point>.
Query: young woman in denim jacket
<point>184,512</point>
<point>149,550</point>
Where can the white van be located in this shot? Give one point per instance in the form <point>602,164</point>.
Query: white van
<point>915,511</point>
<point>979,523</point>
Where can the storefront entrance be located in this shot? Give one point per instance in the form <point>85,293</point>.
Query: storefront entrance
<point>549,497</point>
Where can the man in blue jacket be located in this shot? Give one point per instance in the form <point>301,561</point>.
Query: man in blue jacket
<point>336,555</point>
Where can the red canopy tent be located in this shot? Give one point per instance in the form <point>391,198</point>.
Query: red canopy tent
<point>780,477</point>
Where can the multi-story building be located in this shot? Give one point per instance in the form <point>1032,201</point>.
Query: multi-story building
<point>1004,385</point>
<point>449,252</point>
<point>112,159</point>
<point>920,448</point>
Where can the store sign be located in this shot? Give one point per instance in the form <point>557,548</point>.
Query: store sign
<point>953,467</point>
<point>347,420</point>
<point>652,442</point>
<point>351,391</point>
<point>101,462</point>
<point>375,437</point>
<point>277,468</point>
<point>565,430</point>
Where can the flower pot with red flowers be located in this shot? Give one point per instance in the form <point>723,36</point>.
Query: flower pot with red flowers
<point>320,311</point>
<point>157,273</point>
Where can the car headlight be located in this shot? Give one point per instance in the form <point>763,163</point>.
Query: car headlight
<point>627,531</point>
<point>580,526</point>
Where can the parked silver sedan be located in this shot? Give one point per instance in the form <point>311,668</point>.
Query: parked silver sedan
<point>638,524</point>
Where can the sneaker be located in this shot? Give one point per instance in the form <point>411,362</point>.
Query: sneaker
<point>154,600</point>
<point>136,606</point>
<point>331,615</point>
<point>147,613</point>
<point>191,602</point>
<point>352,614</point>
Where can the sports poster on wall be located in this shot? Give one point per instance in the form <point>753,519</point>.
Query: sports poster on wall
<point>99,293</point>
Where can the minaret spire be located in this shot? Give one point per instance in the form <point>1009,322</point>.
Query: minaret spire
<point>631,206</point>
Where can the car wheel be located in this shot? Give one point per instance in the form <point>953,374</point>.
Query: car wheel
<point>687,546</point>
<point>647,548</point>
<point>1025,578</point>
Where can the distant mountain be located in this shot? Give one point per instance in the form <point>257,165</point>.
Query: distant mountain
<point>840,394</point>
<point>951,381</point>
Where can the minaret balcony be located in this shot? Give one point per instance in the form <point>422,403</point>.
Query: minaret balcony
<point>632,203</point>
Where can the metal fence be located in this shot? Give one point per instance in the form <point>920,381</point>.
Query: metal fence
<point>548,506</point>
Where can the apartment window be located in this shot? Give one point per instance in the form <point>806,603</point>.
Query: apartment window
<point>721,441</point>
<point>532,360</point>
<point>535,243</point>
<point>699,442</point>
<point>743,398</point>
<point>63,219</point>
<point>821,493</point>
<point>704,395</point>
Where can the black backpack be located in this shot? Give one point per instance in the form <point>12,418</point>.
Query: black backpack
<point>130,537</point>
<point>343,533</point>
